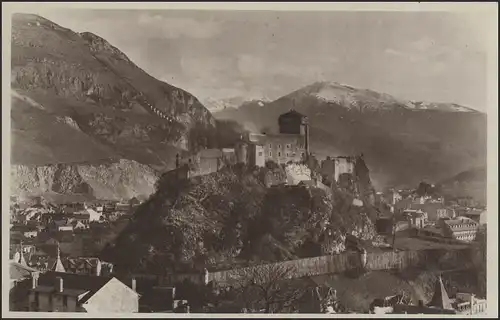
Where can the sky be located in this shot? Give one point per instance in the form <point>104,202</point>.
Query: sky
<point>429,56</point>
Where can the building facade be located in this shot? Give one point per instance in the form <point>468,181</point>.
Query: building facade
<point>64,292</point>
<point>461,228</point>
<point>291,144</point>
<point>416,218</point>
<point>333,168</point>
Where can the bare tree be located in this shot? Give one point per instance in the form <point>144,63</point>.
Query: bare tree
<point>268,288</point>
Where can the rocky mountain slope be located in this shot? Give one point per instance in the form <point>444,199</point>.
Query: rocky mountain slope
<point>77,100</point>
<point>123,179</point>
<point>404,142</point>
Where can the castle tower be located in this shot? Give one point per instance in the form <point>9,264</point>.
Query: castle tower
<point>294,122</point>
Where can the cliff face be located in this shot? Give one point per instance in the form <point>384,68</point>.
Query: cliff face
<point>76,99</point>
<point>123,179</point>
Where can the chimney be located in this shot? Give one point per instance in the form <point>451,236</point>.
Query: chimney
<point>34,280</point>
<point>59,284</point>
<point>134,284</point>
<point>172,292</point>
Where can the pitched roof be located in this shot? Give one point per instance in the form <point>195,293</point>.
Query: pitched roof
<point>19,271</point>
<point>82,262</point>
<point>461,223</point>
<point>78,284</point>
<point>440,298</point>
<point>292,112</point>
<point>210,153</point>
<point>58,266</point>
<point>73,281</point>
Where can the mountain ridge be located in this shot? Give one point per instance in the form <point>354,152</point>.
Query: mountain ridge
<point>435,142</point>
<point>78,100</point>
<point>346,95</point>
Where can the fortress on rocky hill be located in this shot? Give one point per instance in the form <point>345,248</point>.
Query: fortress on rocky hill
<point>290,146</point>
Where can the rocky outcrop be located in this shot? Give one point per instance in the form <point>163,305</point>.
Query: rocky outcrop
<point>296,173</point>
<point>124,179</point>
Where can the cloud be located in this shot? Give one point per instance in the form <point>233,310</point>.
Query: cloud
<point>393,52</point>
<point>250,66</point>
<point>178,27</point>
<point>426,50</point>
<point>423,44</point>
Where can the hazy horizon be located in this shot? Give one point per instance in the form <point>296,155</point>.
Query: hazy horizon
<point>426,56</point>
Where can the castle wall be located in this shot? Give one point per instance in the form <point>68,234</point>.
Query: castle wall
<point>241,151</point>
<point>333,168</point>
<point>256,155</point>
<point>282,148</point>
<point>343,165</point>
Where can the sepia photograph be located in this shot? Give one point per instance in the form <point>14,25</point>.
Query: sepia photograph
<point>282,159</point>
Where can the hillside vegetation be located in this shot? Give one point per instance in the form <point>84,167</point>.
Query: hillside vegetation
<point>230,217</point>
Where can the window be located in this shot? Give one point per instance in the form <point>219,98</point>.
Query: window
<point>279,146</point>
<point>270,154</point>
<point>288,146</point>
<point>287,154</point>
<point>65,301</point>
<point>279,154</point>
<point>270,145</point>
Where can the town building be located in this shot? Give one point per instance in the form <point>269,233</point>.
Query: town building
<point>83,265</point>
<point>163,299</point>
<point>440,299</point>
<point>20,283</point>
<point>291,144</point>
<point>467,202</point>
<point>86,215</point>
<point>478,215</point>
<point>28,231</point>
<point>66,292</point>
<point>416,218</point>
<point>439,304</point>
<point>468,303</point>
<point>461,228</point>
<point>434,210</point>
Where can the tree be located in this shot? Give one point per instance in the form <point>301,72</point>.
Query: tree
<point>268,288</point>
<point>425,189</point>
